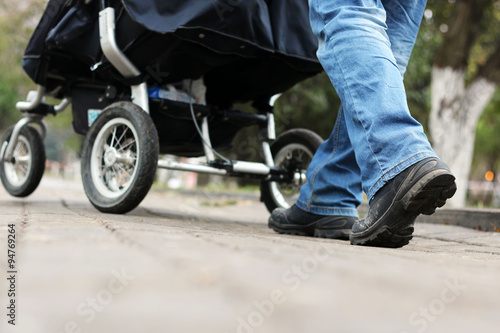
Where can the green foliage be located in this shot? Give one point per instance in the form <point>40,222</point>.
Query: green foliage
<point>8,98</point>
<point>9,79</point>
<point>312,104</point>
<point>487,41</point>
<point>17,23</point>
<point>418,72</point>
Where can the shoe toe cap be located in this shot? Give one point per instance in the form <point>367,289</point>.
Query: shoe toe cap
<point>359,226</point>
<point>278,215</point>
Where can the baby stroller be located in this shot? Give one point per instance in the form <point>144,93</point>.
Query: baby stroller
<point>112,61</point>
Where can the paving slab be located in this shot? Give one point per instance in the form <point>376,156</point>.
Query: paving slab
<point>208,263</point>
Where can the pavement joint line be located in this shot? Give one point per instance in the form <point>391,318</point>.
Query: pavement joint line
<point>65,205</point>
<point>191,217</point>
<point>210,219</point>
<point>23,218</point>
<point>194,233</point>
<point>124,239</point>
<point>458,242</point>
<point>68,208</point>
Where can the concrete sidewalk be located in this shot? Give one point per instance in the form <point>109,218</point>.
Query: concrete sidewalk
<point>204,263</point>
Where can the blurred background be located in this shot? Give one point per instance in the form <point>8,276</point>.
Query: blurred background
<point>452,89</point>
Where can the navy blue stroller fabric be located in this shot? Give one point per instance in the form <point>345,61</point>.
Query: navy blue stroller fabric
<point>244,49</point>
<point>275,25</point>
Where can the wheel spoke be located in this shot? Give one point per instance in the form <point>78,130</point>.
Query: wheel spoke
<point>104,169</point>
<point>113,175</point>
<point>118,142</point>
<point>103,175</point>
<point>300,155</point>
<point>125,171</point>
<point>110,175</point>
<point>113,137</point>
<point>20,150</point>
<point>23,168</point>
<point>122,148</point>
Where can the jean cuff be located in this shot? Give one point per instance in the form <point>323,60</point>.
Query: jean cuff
<point>328,211</point>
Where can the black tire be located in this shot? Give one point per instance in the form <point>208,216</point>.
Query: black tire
<point>18,181</point>
<point>302,145</point>
<point>119,158</point>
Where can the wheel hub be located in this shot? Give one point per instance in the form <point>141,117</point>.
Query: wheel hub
<point>110,156</point>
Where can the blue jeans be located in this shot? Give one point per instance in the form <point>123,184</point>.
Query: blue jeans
<point>364,47</point>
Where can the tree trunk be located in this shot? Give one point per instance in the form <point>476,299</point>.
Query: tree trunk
<point>455,107</point>
<point>455,111</point>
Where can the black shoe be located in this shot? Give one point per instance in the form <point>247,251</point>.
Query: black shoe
<point>295,221</point>
<point>419,189</point>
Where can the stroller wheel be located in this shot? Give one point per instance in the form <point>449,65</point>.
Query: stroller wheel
<point>21,175</point>
<point>293,150</point>
<point>119,159</point>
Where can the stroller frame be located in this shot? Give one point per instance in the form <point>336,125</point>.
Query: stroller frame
<point>140,97</point>
<point>35,110</point>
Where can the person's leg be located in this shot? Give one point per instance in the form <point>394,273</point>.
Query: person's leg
<point>327,203</point>
<point>356,53</point>
<point>425,185</point>
<point>334,178</point>
<point>403,22</point>
<point>400,172</point>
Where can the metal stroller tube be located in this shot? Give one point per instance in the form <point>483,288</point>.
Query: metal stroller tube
<point>118,59</point>
<point>26,106</point>
<point>112,105</point>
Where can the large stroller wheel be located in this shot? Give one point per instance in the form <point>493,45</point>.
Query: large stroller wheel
<point>21,175</point>
<point>120,157</point>
<point>293,150</point>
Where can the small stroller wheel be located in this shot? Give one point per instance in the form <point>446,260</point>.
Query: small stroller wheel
<point>292,150</point>
<point>21,175</point>
<point>119,159</point>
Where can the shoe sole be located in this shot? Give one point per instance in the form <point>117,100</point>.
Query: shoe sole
<point>424,197</point>
<point>342,234</point>
<point>290,229</point>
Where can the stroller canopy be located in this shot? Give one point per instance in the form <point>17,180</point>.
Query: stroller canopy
<point>275,25</point>
<point>244,49</point>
